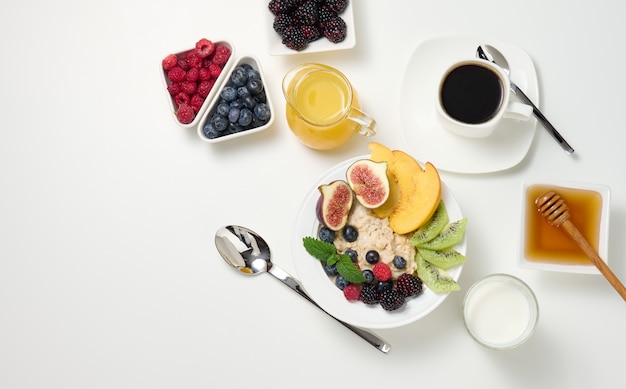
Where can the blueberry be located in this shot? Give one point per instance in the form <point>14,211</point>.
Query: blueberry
<point>229,93</point>
<point>249,102</point>
<point>239,76</point>
<point>399,262</point>
<point>382,286</point>
<point>352,254</point>
<point>341,282</point>
<point>219,123</point>
<point>326,234</point>
<point>262,111</point>
<point>255,86</point>
<point>238,103</point>
<point>372,256</point>
<point>223,108</point>
<point>369,276</point>
<point>210,132</point>
<point>260,98</point>
<point>243,92</point>
<point>233,115</point>
<point>245,117</point>
<point>330,270</point>
<point>253,73</point>
<point>350,233</point>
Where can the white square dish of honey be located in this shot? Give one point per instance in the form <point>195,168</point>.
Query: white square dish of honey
<point>546,247</point>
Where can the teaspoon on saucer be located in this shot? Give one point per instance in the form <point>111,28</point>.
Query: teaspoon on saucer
<point>248,252</point>
<point>492,54</point>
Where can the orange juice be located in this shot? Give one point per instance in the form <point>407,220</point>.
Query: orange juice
<point>322,108</point>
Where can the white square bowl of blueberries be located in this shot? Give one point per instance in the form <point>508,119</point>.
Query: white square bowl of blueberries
<point>240,107</point>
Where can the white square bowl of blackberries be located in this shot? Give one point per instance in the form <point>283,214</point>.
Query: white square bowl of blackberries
<point>240,107</point>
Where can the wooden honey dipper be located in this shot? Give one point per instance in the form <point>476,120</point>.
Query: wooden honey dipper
<point>556,211</point>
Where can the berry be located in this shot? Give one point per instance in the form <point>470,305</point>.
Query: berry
<point>372,257</point>
<point>335,30</point>
<point>196,102</point>
<point>352,254</point>
<point>330,270</point>
<point>174,88</point>
<point>307,13</point>
<point>311,33</point>
<point>382,271</point>
<point>341,282</point>
<point>326,234</point>
<point>337,5</point>
<point>382,286</point>
<point>188,87</point>
<point>210,132</point>
<point>350,234</point>
<point>204,87</point>
<point>399,262</point>
<point>193,59</point>
<point>181,98</point>
<point>239,77</point>
<point>245,117</point>
<point>294,38</point>
<point>255,85</point>
<point>352,292</point>
<point>185,114</point>
<point>369,276</point>
<point>204,48</point>
<point>262,111</point>
<point>214,70</point>
<point>176,74</point>
<point>233,114</point>
<point>325,15</point>
<point>369,295</point>
<point>280,6</point>
<point>408,285</point>
<point>229,93</point>
<point>281,22</point>
<point>391,300</point>
<point>220,123</point>
<point>169,62</point>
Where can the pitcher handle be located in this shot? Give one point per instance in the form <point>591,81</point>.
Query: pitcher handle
<point>368,124</point>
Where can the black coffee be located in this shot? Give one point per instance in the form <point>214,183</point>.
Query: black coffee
<point>471,94</point>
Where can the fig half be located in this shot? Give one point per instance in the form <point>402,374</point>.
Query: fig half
<point>369,181</point>
<point>334,204</point>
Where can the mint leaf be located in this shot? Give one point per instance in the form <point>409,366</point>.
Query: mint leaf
<point>318,248</point>
<point>348,270</point>
<point>332,260</point>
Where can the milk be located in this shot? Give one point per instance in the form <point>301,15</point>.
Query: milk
<point>500,312</point>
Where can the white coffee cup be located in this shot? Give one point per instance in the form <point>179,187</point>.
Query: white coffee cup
<point>474,96</point>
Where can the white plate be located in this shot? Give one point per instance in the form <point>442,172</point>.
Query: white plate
<point>275,45</point>
<point>424,137</point>
<point>328,296</point>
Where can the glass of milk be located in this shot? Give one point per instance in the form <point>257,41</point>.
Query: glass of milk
<point>500,311</point>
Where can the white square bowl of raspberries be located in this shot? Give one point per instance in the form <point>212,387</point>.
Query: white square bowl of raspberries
<point>308,26</point>
<point>241,104</point>
<point>192,77</point>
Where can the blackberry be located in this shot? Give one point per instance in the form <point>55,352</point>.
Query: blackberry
<point>294,38</point>
<point>281,22</point>
<point>335,30</point>
<point>325,15</point>
<point>408,285</point>
<point>391,300</point>
<point>280,6</point>
<point>307,13</point>
<point>337,5</point>
<point>311,33</point>
<point>369,295</point>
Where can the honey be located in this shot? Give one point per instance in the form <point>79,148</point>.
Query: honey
<point>547,243</point>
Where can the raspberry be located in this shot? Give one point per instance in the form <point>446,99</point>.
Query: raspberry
<point>193,59</point>
<point>196,102</point>
<point>220,58</point>
<point>176,74</point>
<point>351,292</point>
<point>204,48</point>
<point>185,114</point>
<point>181,98</point>
<point>215,70</point>
<point>183,64</point>
<point>369,295</point>
<point>174,89</point>
<point>169,62</point>
<point>408,285</point>
<point>192,75</point>
<point>188,87</point>
<point>204,74</point>
<point>391,300</point>
<point>382,271</point>
<point>204,87</point>
<point>335,30</point>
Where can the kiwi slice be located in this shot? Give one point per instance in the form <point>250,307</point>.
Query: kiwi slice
<point>433,227</point>
<point>451,235</point>
<point>438,280</point>
<point>443,259</point>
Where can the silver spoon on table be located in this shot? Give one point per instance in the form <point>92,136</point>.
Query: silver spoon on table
<point>249,253</point>
<point>492,54</point>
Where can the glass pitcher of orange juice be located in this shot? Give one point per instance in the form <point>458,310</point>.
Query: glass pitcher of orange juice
<point>323,110</point>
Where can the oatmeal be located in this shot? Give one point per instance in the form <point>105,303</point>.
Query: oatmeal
<point>375,234</point>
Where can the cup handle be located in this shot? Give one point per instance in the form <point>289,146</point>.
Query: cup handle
<point>368,124</point>
<point>519,111</point>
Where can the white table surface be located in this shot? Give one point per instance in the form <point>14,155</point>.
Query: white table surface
<point>109,277</point>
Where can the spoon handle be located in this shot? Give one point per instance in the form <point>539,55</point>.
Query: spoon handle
<point>542,119</point>
<point>291,282</point>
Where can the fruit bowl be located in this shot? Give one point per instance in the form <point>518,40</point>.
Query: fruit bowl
<point>322,289</point>
<point>545,247</point>
<point>259,104</point>
<point>275,45</point>
<point>215,81</point>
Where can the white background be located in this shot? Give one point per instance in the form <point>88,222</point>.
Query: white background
<point>109,277</point>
